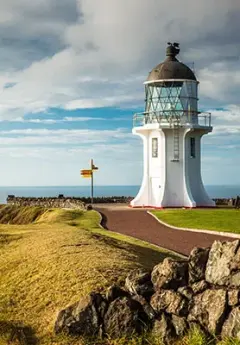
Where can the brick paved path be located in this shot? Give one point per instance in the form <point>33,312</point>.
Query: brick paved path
<point>139,224</point>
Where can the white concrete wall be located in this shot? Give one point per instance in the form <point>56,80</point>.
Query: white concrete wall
<point>189,200</point>
<point>156,168</point>
<point>142,198</point>
<point>176,193</point>
<point>193,169</point>
<point>174,172</point>
<point>167,183</point>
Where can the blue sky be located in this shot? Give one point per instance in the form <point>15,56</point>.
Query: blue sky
<point>71,78</point>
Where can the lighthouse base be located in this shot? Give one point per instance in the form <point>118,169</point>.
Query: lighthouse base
<point>170,182</point>
<point>154,195</point>
<point>167,207</point>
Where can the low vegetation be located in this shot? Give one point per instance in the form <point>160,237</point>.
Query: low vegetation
<point>11,214</point>
<point>59,256</point>
<point>226,220</point>
<point>51,262</point>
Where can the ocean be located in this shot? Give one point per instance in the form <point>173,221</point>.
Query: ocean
<point>229,191</point>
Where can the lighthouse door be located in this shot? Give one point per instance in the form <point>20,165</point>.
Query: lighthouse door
<point>155,190</point>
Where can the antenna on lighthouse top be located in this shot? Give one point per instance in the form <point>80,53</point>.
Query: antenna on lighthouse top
<point>172,49</point>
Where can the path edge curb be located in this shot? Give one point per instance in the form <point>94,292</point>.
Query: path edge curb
<point>203,231</point>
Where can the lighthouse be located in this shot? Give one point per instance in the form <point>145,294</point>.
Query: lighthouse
<point>171,128</point>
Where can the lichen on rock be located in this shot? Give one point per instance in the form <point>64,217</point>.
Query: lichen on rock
<point>223,265</point>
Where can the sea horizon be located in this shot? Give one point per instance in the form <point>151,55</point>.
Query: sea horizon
<point>214,191</point>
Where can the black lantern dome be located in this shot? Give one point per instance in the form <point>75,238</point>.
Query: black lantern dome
<point>171,68</point>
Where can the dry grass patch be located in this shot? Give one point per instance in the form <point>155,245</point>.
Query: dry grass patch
<point>51,263</point>
<point>11,214</point>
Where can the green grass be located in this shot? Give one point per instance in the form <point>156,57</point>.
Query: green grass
<point>58,257</point>
<point>226,220</point>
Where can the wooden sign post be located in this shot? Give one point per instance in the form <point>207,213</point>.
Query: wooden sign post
<point>88,173</point>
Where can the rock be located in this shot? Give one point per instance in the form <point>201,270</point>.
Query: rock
<point>170,274</point>
<point>114,292</point>
<point>101,304</point>
<point>199,286</point>
<point>83,317</point>
<point>170,301</point>
<point>163,329</point>
<point>149,311</point>
<point>233,297</point>
<point>180,325</point>
<point>124,317</point>
<point>223,266</point>
<point>231,327</point>
<point>209,308</point>
<point>197,264</point>
<point>186,291</point>
<point>138,282</point>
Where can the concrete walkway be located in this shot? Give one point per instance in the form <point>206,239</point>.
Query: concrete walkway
<point>139,224</point>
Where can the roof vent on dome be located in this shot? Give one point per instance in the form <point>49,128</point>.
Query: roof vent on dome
<point>172,49</point>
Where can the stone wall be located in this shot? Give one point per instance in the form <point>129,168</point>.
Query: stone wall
<point>62,200</point>
<point>202,291</point>
<point>57,202</point>
<point>225,201</point>
<point>108,199</point>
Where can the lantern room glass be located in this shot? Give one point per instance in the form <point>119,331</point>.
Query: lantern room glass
<point>171,98</point>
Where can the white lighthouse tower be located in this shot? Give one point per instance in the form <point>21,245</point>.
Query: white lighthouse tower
<point>171,128</point>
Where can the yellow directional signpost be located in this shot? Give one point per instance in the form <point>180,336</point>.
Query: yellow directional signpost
<point>88,173</point>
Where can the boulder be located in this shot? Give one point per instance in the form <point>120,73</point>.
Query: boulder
<point>197,264</point>
<point>163,329</point>
<point>138,282</point>
<point>209,309</point>
<point>186,291</point>
<point>170,274</point>
<point>82,318</point>
<point>170,301</point>
<point>231,327</point>
<point>114,291</point>
<point>124,317</point>
<point>233,297</point>
<point>223,266</point>
<point>149,311</point>
<point>180,325</point>
<point>200,286</point>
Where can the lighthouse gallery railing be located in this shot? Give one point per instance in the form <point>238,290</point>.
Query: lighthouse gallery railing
<point>168,117</point>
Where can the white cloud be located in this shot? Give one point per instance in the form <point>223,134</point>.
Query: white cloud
<point>83,54</point>
<point>222,129</point>
<point>54,121</point>
<point>226,121</point>
<point>105,55</point>
<point>219,82</point>
<point>230,114</point>
<point>61,165</point>
<point>62,136</point>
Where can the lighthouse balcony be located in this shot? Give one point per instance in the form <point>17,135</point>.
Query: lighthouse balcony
<point>167,119</point>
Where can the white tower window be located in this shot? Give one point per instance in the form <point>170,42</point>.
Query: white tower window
<point>154,147</point>
<point>192,147</point>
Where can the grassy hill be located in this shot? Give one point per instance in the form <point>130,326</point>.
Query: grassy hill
<point>48,259</point>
